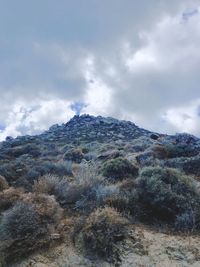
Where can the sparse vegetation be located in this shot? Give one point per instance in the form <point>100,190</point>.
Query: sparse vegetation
<point>96,176</point>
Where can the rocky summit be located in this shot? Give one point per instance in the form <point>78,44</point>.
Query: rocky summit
<point>99,191</point>
<point>88,128</point>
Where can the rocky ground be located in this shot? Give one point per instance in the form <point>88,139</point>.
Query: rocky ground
<point>153,249</point>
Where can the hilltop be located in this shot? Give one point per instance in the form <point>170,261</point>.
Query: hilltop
<point>99,191</point>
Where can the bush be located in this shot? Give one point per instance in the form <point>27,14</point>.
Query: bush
<point>101,232</point>
<point>165,193</point>
<point>28,226</point>
<point>173,150</point>
<point>9,197</point>
<point>192,166</point>
<point>8,170</point>
<point>3,183</point>
<point>96,196</point>
<point>81,192</point>
<point>30,149</point>
<point>125,199</point>
<point>46,184</point>
<point>60,169</point>
<point>75,155</point>
<point>37,169</point>
<point>118,169</point>
<point>90,156</point>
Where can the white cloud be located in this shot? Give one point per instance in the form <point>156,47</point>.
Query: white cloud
<point>127,59</point>
<point>32,118</point>
<point>98,96</point>
<point>162,73</point>
<point>184,118</point>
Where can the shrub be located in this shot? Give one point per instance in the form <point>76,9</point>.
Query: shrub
<point>38,169</point>
<point>96,196</point>
<point>46,206</point>
<point>3,183</point>
<point>125,199</point>
<point>28,226</point>
<point>81,192</point>
<point>9,197</point>
<point>185,221</point>
<point>46,184</point>
<point>119,168</point>
<point>75,155</point>
<point>90,156</point>
<point>165,193</point>
<point>173,150</point>
<point>87,172</point>
<point>192,166</point>
<point>101,232</point>
<point>8,170</point>
<point>21,232</point>
<point>31,149</point>
<point>60,169</point>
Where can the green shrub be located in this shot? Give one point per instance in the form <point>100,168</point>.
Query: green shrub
<point>165,193</point>
<point>118,169</point>
<point>101,232</point>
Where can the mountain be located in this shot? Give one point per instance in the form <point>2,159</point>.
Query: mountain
<point>88,188</point>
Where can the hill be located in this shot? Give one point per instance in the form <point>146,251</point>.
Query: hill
<point>99,192</point>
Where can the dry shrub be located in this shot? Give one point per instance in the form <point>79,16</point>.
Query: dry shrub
<point>29,225</point>
<point>3,183</point>
<point>75,155</point>
<point>101,232</point>
<point>46,184</point>
<point>81,193</point>
<point>9,197</point>
<point>46,206</point>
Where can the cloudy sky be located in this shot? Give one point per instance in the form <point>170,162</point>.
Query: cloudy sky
<point>135,60</point>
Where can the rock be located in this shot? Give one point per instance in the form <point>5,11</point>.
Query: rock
<point>154,136</point>
<point>55,236</point>
<point>110,155</point>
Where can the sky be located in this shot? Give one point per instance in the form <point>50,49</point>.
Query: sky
<point>133,60</point>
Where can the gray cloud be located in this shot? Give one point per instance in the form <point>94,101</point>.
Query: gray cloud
<point>128,59</point>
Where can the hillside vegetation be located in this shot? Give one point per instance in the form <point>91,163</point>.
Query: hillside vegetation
<point>96,190</point>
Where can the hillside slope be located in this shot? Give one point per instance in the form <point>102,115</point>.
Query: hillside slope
<point>99,192</point>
